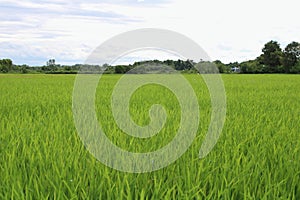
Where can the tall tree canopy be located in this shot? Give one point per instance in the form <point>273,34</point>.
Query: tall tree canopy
<point>291,55</point>
<point>272,55</point>
<point>6,65</point>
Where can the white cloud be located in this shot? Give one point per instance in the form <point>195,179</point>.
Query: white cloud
<point>69,30</point>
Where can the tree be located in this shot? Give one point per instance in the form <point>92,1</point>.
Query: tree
<point>67,68</point>
<point>122,69</point>
<point>179,65</point>
<point>51,63</point>
<point>23,69</point>
<point>50,66</point>
<point>220,66</point>
<point>271,57</point>
<point>291,56</point>
<point>3,68</point>
<point>6,65</point>
<point>295,69</point>
<point>105,65</point>
<point>251,67</point>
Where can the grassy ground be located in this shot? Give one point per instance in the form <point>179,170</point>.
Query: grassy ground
<point>256,157</point>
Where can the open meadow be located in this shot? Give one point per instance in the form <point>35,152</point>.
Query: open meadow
<point>256,157</point>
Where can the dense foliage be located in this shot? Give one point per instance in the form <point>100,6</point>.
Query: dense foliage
<point>256,157</point>
<point>272,60</point>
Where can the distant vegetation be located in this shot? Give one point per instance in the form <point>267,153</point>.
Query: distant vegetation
<point>272,60</point>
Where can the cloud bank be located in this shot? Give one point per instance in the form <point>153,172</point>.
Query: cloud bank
<point>33,31</point>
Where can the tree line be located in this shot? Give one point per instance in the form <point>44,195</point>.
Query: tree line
<point>273,59</point>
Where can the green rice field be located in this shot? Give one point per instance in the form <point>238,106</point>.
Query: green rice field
<point>256,157</point>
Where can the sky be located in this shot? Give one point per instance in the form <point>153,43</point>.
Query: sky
<point>33,31</point>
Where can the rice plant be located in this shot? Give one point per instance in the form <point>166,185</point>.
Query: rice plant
<point>256,157</point>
